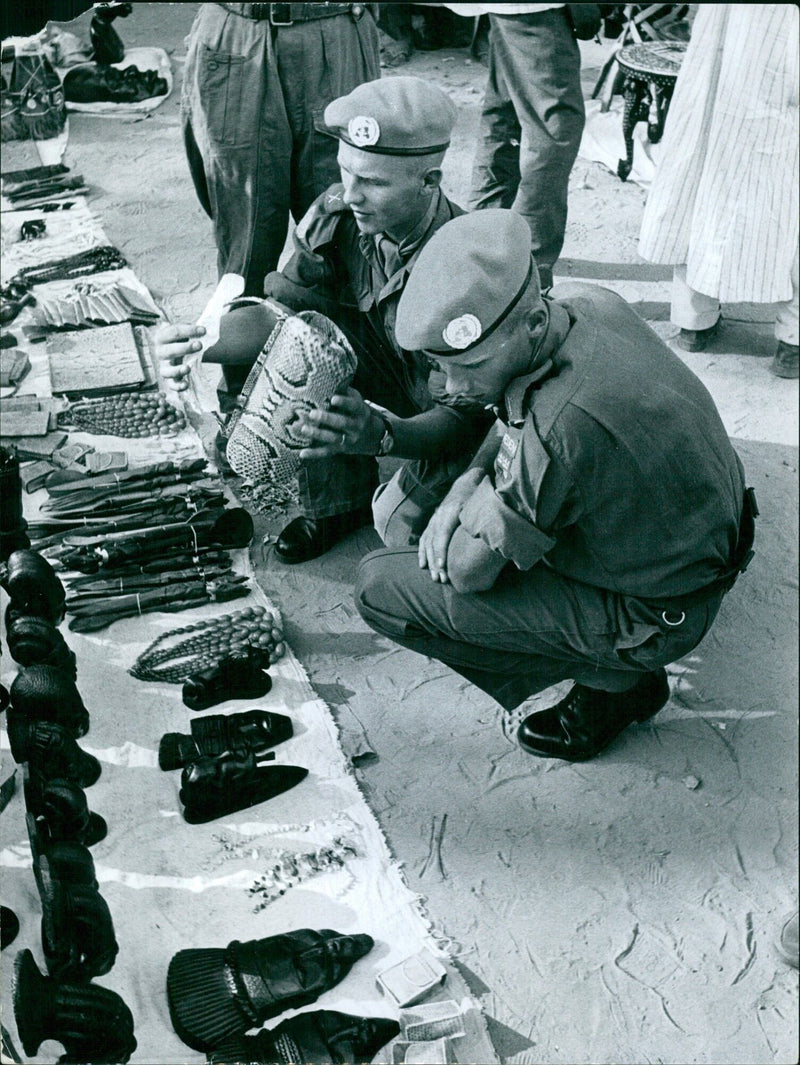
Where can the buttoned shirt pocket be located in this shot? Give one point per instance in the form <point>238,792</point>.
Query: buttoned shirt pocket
<point>220,78</point>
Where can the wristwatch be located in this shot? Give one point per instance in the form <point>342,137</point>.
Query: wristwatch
<point>387,440</point>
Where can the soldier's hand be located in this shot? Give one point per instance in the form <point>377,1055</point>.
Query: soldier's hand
<point>172,344</point>
<point>349,426</point>
<point>435,540</point>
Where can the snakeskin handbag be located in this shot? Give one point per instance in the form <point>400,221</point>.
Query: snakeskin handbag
<point>305,361</point>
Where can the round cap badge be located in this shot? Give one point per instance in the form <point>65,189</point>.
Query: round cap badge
<point>462,331</point>
<point>363,130</point>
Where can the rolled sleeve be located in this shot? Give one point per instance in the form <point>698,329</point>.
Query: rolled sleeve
<point>298,296</point>
<point>505,532</point>
<point>472,566</point>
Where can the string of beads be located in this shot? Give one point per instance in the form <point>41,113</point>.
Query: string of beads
<point>208,642</point>
<point>93,261</point>
<point>128,415</point>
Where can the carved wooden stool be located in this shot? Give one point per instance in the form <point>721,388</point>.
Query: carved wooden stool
<point>650,70</point>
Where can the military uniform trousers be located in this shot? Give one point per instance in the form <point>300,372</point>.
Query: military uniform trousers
<point>532,629</point>
<point>252,110</point>
<point>531,124</point>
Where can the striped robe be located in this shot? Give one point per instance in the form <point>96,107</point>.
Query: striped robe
<point>724,198</point>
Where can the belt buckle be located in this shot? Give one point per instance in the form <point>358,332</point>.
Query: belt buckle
<point>275,12</point>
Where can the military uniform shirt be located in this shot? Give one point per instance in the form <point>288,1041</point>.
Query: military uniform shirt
<point>335,266</point>
<point>615,468</point>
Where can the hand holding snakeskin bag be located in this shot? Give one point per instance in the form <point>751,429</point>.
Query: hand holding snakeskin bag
<point>305,361</point>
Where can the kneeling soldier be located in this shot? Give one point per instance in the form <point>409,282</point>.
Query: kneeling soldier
<point>597,529</point>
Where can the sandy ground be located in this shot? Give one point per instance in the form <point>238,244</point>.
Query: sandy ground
<point>622,910</point>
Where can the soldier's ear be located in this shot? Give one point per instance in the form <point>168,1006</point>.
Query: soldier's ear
<point>536,322</point>
<point>432,179</point>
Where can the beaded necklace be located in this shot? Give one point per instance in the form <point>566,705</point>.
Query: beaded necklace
<point>128,415</point>
<point>93,261</point>
<point>228,636</point>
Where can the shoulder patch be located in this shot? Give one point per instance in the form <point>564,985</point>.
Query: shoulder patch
<point>334,199</point>
<point>319,223</point>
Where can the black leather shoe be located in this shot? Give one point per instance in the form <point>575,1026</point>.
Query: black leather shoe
<point>786,362</point>
<point>696,339</point>
<point>307,538</point>
<point>586,720</point>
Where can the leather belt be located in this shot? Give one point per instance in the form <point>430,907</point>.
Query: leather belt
<point>288,14</point>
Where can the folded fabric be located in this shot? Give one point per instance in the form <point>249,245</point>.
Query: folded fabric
<point>97,83</point>
<point>315,1038</point>
<point>217,994</point>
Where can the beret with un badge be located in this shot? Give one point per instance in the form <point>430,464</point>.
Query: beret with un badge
<point>393,116</point>
<point>467,280</point>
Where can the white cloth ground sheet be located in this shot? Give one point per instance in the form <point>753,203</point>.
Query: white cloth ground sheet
<point>170,885</point>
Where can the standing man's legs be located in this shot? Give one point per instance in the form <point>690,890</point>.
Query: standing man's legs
<point>533,98</point>
<point>696,313</point>
<point>238,140</point>
<point>252,108</point>
<point>786,362</point>
<point>319,61</point>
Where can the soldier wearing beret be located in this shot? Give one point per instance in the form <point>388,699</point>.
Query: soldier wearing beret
<point>594,534</point>
<point>354,251</point>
